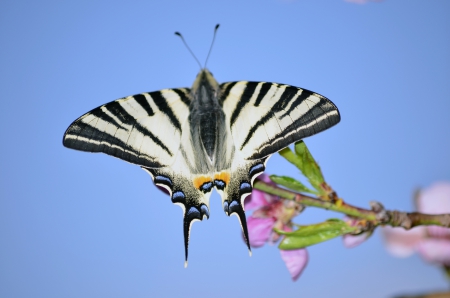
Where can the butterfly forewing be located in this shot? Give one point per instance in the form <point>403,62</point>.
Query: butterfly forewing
<point>143,129</point>
<point>273,115</point>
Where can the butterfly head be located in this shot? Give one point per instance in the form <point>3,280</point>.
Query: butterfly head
<point>205,79</point>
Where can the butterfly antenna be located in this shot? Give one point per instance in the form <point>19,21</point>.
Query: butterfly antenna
<point>212,43</point>
<point>182,38</point>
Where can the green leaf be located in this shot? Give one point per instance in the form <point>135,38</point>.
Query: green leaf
<point>312,234</point>
<point>309,166</point>
<point>291,157</point>
<point>291,183</point>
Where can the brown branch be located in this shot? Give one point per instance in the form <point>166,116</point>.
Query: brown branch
<point>377,215</point>
<point>413,219</point>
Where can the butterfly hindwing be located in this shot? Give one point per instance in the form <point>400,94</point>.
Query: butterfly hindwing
<point>274,115</point>
<point>143,129</point>
<point>235,184</point>
<point>189,179</point>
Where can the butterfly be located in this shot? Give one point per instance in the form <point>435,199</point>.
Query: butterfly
<point>209,136</point>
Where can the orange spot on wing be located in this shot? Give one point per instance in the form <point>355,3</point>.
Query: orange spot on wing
<point>200,180</point>
<point>224,176</point>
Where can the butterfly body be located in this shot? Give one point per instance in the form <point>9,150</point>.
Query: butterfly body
<point>209,136</point>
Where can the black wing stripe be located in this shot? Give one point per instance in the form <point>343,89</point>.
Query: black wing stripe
<point>285,97</point>
<point>118,111</point>
<point>143,102</point>
<point>182,93</point>
<point>243,101</point>
<point>112,149</point>
<point>304,95</point>
<point>99,113</point>
<point>323,114</point>
<point>90,131</point>
<point>226,91</point>
<point>255,127</point>
<point>128,123</point>
<point>279,105</point>
<point>161,102</point>
<point>264,89</point>
<point>95,140</point>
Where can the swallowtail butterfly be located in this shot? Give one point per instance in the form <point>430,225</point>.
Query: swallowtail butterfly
<point>209,136</point>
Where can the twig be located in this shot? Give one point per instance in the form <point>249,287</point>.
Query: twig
<point>377,215</point>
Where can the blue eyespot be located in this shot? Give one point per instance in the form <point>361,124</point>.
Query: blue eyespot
<point>163,180</point>
<point>225,206</point>
<point>178,197</point>
<point>234,207</point>
<point>219,184</point>
<point>206,187</point>
<point>205,210</point>
<point>193,213</point>
<point>258,168</point>
<point>234,204</point>
<point>193,210</point>
<point>245,187</point>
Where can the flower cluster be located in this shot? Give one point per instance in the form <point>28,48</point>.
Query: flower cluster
<point>431,242</point>
<point>272,212</point>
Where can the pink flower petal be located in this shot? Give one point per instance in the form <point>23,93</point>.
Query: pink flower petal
<point>402,243</point>
<point>435,251</point>
<point>258,198</point>
<point>435,199</point>
<point>351,241</point>
<point>265,178</point>
<point>438,232</point>
<point>259,230</point>
<point>295,260</point>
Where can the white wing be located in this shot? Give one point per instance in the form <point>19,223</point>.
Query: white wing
<point>143,129</point>
<point>266,117</point>
<point>262,119</point>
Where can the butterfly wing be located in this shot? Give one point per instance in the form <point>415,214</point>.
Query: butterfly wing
<point>188,184</point>
<point>274,116</point>
<point>262,119</point>
<point>191,192</point>
<point>153,131</point>
<point>143,129</point>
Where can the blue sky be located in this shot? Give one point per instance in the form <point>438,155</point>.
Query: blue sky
<point>75,224</point>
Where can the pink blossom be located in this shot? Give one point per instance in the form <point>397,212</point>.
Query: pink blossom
<point>259,230</point>
<point>431,242</point>
<point>295,260</point>
<point>272,212</point>
<point>351,241</point>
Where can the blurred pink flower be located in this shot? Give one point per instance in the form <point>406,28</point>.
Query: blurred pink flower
<point>351,241</point>
<point>273,212</point>
<point>431,242</point>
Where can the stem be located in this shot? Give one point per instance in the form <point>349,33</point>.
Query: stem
<point>377,215</point>
<point>413,219</point>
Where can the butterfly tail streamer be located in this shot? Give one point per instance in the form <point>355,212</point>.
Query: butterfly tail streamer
<point>193,201</point>
<point>239,187</point>
<point>238,210</point>
<point>192,214</point>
